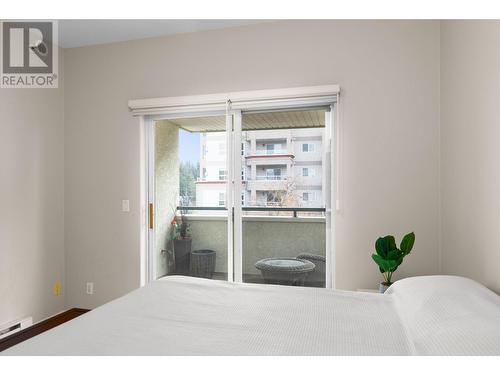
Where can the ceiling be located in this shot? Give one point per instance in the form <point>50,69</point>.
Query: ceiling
<point>256,121</point>
<point>78,33</point>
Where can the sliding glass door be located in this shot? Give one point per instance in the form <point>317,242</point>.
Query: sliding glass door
<point>282,214</point>
<point>243,195</point>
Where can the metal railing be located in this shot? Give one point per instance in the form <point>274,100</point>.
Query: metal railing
<point>278,151</point>
<point>294,210</point>
<point>270,178</point>
<point>206,179</point>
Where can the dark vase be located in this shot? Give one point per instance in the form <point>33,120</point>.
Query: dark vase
<point>182,250</point>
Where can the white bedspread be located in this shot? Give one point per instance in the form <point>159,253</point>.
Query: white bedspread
<point>188,316</point>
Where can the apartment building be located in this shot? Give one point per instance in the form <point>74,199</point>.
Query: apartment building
<point>280,168</point>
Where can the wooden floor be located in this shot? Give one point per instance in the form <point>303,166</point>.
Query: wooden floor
<point>41,327</point>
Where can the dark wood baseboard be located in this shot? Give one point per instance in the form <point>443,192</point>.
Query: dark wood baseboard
<point>40,327</point>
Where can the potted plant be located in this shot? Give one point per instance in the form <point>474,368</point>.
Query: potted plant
<point>182,244</point>
<point>388,257</point>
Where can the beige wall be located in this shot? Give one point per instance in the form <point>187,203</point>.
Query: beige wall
<point>31,201</point>
<point>389,73</point>
<point>470,149</point>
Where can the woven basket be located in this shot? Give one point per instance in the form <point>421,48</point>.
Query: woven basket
<point>202,263</point>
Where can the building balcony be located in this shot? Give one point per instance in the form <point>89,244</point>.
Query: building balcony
<point>267,183</point>
<point>205,180</point>
<point>276,159</point>
<point>263,237</point>
<point>270,178</point>
<point>269,152</point>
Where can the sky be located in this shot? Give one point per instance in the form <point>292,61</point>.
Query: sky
<point>189,146</point>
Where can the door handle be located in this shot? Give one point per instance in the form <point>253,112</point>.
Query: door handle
<point>151,216</point>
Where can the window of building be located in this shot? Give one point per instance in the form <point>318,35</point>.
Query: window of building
<point>308,147</point>
<point>222,199</point>
<point>308,172</point>
<point>310,196</point>
<point>222,174</point>
<point>242,149</point>
<point>242,198</point>
<point>273,173</point>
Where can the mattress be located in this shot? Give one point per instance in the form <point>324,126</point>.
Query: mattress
<point>175,315</point>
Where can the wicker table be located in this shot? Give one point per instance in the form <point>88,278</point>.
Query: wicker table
<point>284,271</point>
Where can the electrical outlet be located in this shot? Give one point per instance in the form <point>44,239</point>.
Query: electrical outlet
<point>90,288</point>
<point>57,289</point>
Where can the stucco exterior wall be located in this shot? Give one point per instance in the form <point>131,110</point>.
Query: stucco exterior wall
<point>166,188</point>
<point>262,238</point>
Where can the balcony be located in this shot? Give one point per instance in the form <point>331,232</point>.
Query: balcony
<point>268,152</point>
<point>267,183</point>
<point>205,179</point>
<point>265,154</point>
<point>266,160</point>
<point>270,178</point>
<point>263,237</point>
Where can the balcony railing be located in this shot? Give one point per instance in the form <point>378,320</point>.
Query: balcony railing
<point>206,179</point>
<point>268,152</point>
<point>270,178</point>
<point>262,237</point>
<point>293,210</point>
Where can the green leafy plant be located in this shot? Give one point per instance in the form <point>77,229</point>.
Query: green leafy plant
<point>181,227</point>
<point>388,257</point>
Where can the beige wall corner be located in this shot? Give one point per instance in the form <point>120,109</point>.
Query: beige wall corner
<point>32,201</point>
<point>470,149</point>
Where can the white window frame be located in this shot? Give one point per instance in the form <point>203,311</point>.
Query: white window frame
<point>223,175</point>
<point>311,147</point>
<point>311,171</point>
<point>231,104</point>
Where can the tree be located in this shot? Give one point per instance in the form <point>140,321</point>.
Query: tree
<point>287,197</point>
<point>188,173</point>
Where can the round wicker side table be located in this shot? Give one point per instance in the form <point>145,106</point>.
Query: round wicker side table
<point>284,271</point>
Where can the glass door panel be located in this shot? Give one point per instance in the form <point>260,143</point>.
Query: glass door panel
<point>282,219</point>
<point>191,234</point>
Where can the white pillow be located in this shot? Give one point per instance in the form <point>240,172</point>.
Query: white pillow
<point>448,315</point>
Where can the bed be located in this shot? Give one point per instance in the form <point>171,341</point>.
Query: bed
<point>175,315</point>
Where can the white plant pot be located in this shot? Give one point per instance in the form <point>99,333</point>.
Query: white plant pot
<point>383,287</point>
